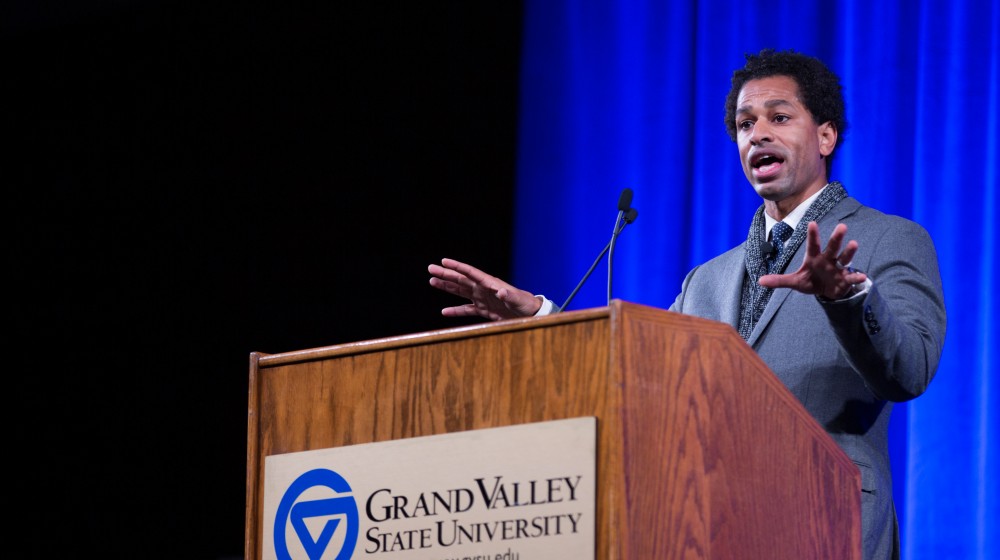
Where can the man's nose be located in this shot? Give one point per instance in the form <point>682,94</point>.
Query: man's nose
<point>761,132</point>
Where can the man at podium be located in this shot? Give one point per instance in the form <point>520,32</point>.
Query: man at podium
<point>849,328</point>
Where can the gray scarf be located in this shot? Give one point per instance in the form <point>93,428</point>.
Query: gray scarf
<point>755,296</point>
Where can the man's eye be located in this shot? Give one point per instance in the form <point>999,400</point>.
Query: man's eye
<point>781,118</point>
<point>744,125</point>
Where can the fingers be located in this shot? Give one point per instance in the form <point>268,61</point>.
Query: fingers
<point>856,277</point>
<point>449,274</point>
<point>472,310</point>
<point>468,271</point>
<point>777,281</point>
<point>460,279</point>
<point>832,252</point>
<point>449,281</point>
<point>447,286</point>
<point>467,310</point>
<point>812,240</point>
<point>845,258</point>
<point>836,240</point>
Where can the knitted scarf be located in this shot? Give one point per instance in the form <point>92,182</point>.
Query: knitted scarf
<point>755,296</point>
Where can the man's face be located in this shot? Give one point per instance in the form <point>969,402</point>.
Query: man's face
<point>781,146</point>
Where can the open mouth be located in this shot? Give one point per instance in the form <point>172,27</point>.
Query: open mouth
<point>766,164</point>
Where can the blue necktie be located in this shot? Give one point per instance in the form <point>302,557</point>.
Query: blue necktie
<point>779,234</point>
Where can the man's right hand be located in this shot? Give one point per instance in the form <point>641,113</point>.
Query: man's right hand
<point>489,296</point>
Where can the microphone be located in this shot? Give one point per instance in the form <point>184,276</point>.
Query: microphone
<point>767,249</point>
<point>624,204</point>
<point>626,216</point>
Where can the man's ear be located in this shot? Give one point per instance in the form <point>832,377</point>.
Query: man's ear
<point>827,133</point>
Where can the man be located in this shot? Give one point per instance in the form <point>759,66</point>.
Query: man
<point>850,328</point>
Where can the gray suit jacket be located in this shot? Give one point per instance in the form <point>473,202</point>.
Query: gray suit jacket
<point>847,361</point>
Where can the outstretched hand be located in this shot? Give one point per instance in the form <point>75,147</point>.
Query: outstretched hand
<point>824,272</point>
<point>489,296</point>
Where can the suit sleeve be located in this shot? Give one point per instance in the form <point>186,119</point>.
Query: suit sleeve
<point>893,336</point>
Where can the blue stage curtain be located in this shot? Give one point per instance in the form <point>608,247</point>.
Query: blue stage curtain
<point>630,94</point>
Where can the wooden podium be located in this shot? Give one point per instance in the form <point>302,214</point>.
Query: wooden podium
<point>702,453</point>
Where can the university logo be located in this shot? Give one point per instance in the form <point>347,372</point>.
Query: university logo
<point>325,516</point>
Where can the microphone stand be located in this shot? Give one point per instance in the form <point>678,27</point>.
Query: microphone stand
<point>624,219</point>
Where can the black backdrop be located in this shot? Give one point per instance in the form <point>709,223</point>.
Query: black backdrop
<point>190,182</point>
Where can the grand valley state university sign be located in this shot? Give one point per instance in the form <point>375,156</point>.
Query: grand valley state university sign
<point>514,493</point>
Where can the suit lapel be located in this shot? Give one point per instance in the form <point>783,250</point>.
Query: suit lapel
<point>730,288</point>
<point>777,299</point>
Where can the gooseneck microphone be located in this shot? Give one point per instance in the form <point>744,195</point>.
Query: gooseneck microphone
<point>624,205</point>
<point>626,215</point>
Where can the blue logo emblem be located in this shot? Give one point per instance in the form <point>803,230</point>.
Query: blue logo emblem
<point>298,512</point>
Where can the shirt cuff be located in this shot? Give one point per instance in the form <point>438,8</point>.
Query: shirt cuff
<point>862,288</point>
<point>857,290</point>
<point>547,308</point>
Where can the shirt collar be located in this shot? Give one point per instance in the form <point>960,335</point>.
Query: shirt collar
<point>794,217</point>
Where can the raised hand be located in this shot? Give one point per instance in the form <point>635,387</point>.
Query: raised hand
<point>489,296</point>
<point>824,272</point>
